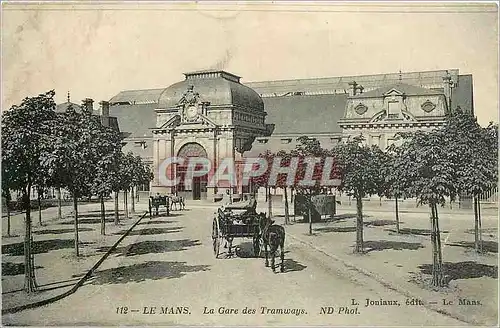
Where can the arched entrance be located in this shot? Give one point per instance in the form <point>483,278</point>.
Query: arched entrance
<point>198,188</point>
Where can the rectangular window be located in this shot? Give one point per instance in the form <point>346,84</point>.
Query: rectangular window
<point>375,140</point>
<point>393,110</point>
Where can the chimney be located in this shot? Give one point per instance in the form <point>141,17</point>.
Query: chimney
<point>104,112</point>
<point>447,84</point>
<point>88,105</point>
<point>359,89</point>
<point>352,88</point>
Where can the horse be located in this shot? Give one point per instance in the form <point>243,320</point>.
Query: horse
<point>272,235</point>
<point>174,200</point>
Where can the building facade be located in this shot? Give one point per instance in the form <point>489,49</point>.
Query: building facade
<point>213,115</point>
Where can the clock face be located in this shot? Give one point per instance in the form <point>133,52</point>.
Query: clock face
<point>191,112</point>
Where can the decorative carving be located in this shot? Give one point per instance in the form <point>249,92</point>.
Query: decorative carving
<point>380,117</point>
<point>189,97</point>
<point>191,106</point>
<point>360,109</point>
<point>406,117</point>
<point>428,106</point>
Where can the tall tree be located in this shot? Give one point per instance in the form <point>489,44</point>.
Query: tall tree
<point>430,170</point>
<point>26,134</point>
<point>360,167</point>
<point>476,153</point>
<point>392,186</point>
<point>311,157</point>
<point>141,175</point>
<point>74,156</point>
<point>109,152</point>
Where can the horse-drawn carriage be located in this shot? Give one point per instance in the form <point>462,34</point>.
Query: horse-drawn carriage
<point>241,220</point>
<point>168,201</point>
<point>238,220</point>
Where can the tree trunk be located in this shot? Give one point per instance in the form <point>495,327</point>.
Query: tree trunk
<point>476,226</point>
<point>480,226</point>
<point>310,219</point>
<point>59,204</point>
<point>359,225</point>
<point>125,205</point>
<point>39,199</point>
<point>29,274</point>
<point>7,204</point>
<point>117,217</point>
<point>434,246</point>
<point>287,215</point>
<point>437,258</point>
<point>75,209</point>
<point>397,216</point>
<point>132,199</point>
<point>103,216</point>
<point>270,203</point>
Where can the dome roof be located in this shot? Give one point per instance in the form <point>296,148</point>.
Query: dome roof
<point>60,108</point>
<point>216,87</point>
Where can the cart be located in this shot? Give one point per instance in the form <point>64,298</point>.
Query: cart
<point>238,220</point>
<point>156,201</point>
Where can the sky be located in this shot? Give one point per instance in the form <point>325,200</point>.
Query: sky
<point>96,51</point>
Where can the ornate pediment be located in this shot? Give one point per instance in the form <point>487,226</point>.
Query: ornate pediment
<point>393,92</point>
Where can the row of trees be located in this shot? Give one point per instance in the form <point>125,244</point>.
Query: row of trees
<point>456,160</point>
<point>71,150</point>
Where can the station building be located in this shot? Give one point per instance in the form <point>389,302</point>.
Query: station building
<point>213,114</point>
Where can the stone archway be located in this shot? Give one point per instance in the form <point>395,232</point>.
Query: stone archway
<point>198,188</point>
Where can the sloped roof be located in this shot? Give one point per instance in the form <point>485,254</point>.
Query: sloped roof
<point>305,114</point>
<point>138,148</point>
<point>338,84</point>
<point>272,144</point>
<point>401,87</point>
<point>135,119</point>
<point>146,96</point>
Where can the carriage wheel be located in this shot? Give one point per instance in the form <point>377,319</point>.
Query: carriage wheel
<point>256,246</point>
<point>215,238</point>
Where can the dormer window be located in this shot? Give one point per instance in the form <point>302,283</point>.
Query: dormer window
<point>262,141</point>
<point>286,140</point>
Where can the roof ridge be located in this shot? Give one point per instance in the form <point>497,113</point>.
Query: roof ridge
<point>385,75</point>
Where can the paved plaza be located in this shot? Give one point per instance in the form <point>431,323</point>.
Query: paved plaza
<point>164,272</point>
